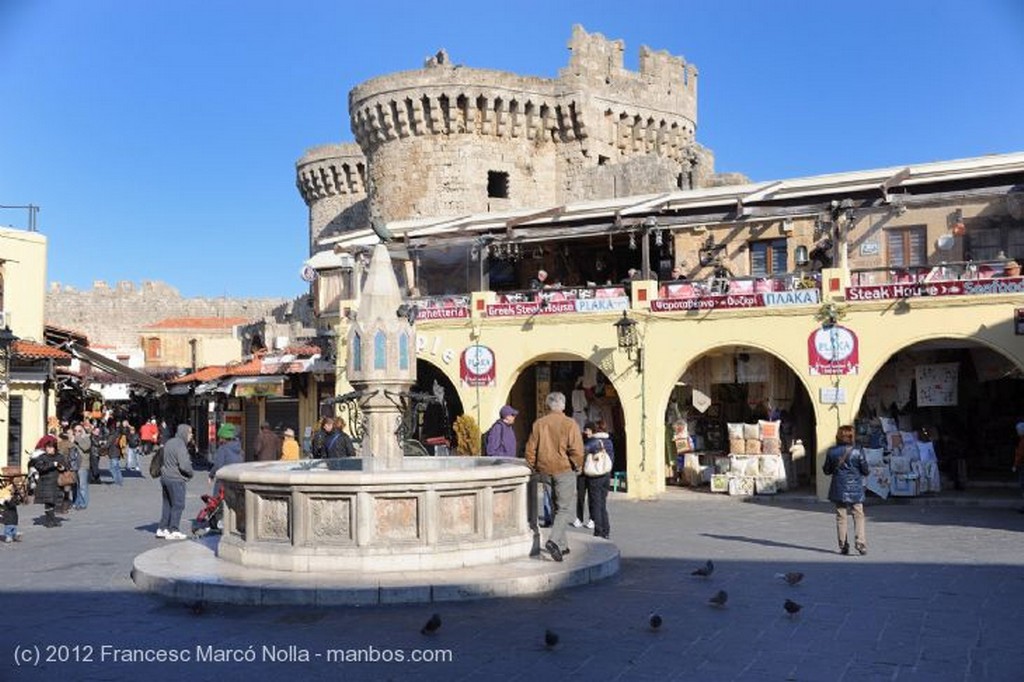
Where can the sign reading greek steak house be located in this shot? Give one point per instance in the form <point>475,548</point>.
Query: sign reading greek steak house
<point>966,287</point>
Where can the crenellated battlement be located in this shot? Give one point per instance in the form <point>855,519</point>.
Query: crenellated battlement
<point>653,109</point>
<point>452,100</point>
<point>331,170</point>
<point>446,139</point>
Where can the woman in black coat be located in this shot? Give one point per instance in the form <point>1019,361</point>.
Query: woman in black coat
<point>847,466</point>
<point>49,465</point>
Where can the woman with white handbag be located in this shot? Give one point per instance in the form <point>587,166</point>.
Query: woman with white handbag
<point>598,463</point>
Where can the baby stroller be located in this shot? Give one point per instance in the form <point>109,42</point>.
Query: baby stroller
<point>210,518</point>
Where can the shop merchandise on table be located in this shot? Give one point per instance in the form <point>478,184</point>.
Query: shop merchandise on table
<point>753,465</point>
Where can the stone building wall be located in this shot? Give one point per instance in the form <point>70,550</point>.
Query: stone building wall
<point>433,141</point>
<point>112,316</point>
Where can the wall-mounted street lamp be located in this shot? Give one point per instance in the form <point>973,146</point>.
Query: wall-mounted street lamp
<point>628,340</point>
<point>800,255</point>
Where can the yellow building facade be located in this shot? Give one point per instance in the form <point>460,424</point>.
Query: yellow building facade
<point>25,401</point>
<point>848,293</point>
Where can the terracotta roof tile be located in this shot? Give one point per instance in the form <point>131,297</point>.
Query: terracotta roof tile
<point>30,350</point>
<point>204,374</point>
<point>250,368</point>
<point>197,323</point>
<point>301,350</point>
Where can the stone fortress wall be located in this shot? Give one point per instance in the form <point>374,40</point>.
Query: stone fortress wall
<point>112,316</point>
<point>448,140</point>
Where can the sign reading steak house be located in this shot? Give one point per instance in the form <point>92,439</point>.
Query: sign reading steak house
<point>968,287</point>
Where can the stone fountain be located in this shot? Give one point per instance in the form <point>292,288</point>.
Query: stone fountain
<point>377,528</point>
<point>381,511</point>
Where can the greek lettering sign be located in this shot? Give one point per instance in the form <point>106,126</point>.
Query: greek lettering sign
<point>832,351</point>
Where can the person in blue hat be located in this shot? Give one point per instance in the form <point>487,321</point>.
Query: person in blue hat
<point>501,438</point>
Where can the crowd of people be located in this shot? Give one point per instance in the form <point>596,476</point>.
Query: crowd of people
<point>66,462</point>
<point>557,451</point>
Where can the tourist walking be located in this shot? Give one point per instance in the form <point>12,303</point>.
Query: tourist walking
<point>132,444</point>
<point>847,466</point>
<point>555,451</point>
<point>268,445</point>
<point>176,470</point>
<point>501,437</point>
<point>150,435</point>
<point>49,466</point>
<point>597,486</point>
<point>1018,458</point>
<point>115,449</point>
<point>228,452</point>
<point>81,451</point>
<point>289,446</point>
<point>331,441</point>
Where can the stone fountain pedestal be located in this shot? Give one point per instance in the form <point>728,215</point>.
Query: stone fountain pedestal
<point>357,515</point>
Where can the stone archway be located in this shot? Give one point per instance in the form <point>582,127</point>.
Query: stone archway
<point>437,418</point>
<point>959,393</point>
<point>590,395</point>
<point>738,383</point>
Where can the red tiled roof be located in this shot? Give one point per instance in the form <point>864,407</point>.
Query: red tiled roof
<point>30,350</point>
<point>246,369</point>
<point>301,350</point>
<point>205,374</point>
<point>197,323</point>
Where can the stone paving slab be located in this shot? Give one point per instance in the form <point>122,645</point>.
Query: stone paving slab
<point>940,596</point>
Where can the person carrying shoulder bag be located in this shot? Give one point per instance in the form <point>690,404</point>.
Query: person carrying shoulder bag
<point>847,466</point>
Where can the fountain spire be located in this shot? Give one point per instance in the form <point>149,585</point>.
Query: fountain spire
<point>381,359</point>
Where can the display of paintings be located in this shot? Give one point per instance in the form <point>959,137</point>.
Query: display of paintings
<point>937,384</point>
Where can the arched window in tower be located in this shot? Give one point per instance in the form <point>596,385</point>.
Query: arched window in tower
<point>403,353</point>
<point>380,350</point>
<point>357,353</point>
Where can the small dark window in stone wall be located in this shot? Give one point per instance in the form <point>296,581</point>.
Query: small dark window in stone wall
<point>497,185</point>
<point>602,160</point>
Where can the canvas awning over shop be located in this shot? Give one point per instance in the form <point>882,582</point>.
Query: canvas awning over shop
<point>133,376</point>
<point>252,387</point>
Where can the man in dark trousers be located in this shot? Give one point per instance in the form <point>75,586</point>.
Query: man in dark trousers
<point>555,451</point>
<point>268,444</point>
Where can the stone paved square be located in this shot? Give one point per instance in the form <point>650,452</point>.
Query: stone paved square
<point>940,596</point>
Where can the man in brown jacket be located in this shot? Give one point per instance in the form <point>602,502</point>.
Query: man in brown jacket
<point>268,445</point>
<point>555,451</point>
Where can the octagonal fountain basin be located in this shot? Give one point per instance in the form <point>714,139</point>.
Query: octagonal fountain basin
<point>359,515</point>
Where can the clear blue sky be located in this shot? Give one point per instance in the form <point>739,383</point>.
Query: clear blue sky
<point>160,137</point>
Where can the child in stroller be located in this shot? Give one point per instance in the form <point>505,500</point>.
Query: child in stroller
<point>210,518</point>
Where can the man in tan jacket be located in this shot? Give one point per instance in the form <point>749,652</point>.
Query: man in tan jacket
<point>555,451</point>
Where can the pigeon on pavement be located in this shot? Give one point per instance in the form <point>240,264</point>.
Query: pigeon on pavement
<point>791,578</point>
<point>792,608</point>
<point>706,570</point>
<point>719,599</point>
<point>550,639</point>
<point>654,620</point>
<point>432,625</point>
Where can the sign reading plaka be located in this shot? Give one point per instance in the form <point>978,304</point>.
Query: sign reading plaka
<point>832,350</point>
<point>477,366</point>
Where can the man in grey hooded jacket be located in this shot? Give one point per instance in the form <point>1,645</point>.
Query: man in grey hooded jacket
<point>177,469</point>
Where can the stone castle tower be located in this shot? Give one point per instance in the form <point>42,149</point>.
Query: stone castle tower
<point>449,140</point>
